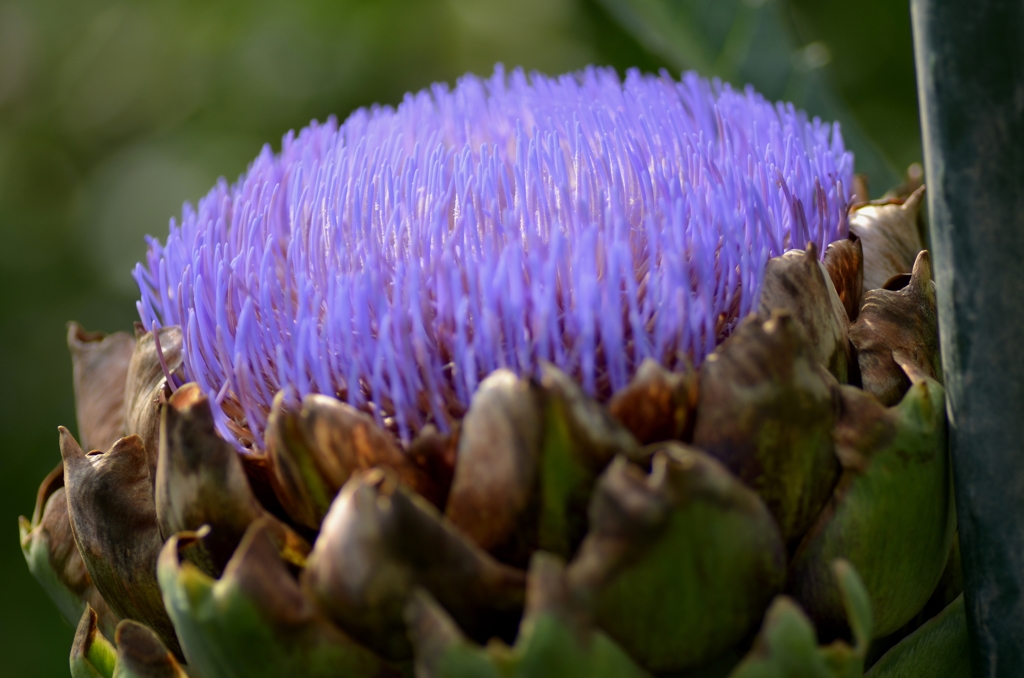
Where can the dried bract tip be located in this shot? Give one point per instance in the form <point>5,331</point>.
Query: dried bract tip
<point>890,237</point>
<point>100,367</point>
<point>799,283</point>
<point>140,654</point>
<point>896,336</point>
<point>113,518</point>
<point>201,481</point>
<point>658,405</point>
<point>314,449</point>
<point>844,261</point>
<point>766,410</point>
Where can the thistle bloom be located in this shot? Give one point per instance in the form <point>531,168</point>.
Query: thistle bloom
<point>396,259</point>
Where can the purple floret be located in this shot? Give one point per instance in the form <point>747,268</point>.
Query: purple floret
<point>395,260</point>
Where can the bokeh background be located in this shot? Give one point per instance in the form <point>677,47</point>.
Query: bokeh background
<point>114,113</point>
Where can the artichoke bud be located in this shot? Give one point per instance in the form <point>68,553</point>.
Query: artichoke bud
<point>378,542</point>
<point>254,620</point>
<point>92,655</point>
<point>890,237</point>
<point>146,385</point>
<point>313,450</point>
<point>657,405</point>
<point>892,513</point>
<point>100,368</point>
<point>938,649</point>
<point>787,644</point>
<point>897,334</point>
<point>844,262</point>
<point>766,410</point>
<point>53,558</point>
<point>556,640</point>
<point>679,565</point>
<point>141,654</point>
<point>113,519</point>
<point>200,480</point>
<point>799,283</point>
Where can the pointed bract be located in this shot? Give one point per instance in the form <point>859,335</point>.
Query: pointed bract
<point>314,449</point>
<point>200,480</point>
<point>92,655</point>
<point>678,565</point>
<point>766,410</point>
<point>378,542</point>
<point>141,654</point>
<point>799,283</point>
<point>254,621</point>
<point>113,519</point>
<point>48,545</point>
<point>889,236</point>
<point>844,261</point>
<point>892,515</point>
<point>897,334</point>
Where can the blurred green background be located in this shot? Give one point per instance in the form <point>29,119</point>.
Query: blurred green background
<point>113,113</point>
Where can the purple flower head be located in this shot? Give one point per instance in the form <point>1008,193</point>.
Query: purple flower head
<point>396,259</point>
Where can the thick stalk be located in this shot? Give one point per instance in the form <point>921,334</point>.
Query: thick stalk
<point>970,69</point>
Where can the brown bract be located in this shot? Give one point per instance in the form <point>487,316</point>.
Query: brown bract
<point>200,481</point>
<point>145,385</point>
<point>844,261</point>
<point>890,237</point>
<point>140,654</point>
<point>493,493</point>
<point>799,283</point>
<point>113,519</point>
<point>657,405</point>
<point>49,544</point>
<point>897,333</point>
<point>315,448</point>
<point>100,367</point>
<point>378,543</point>
<point>765,410</point>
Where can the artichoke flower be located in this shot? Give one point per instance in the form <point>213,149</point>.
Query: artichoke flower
<point>530,377</point>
